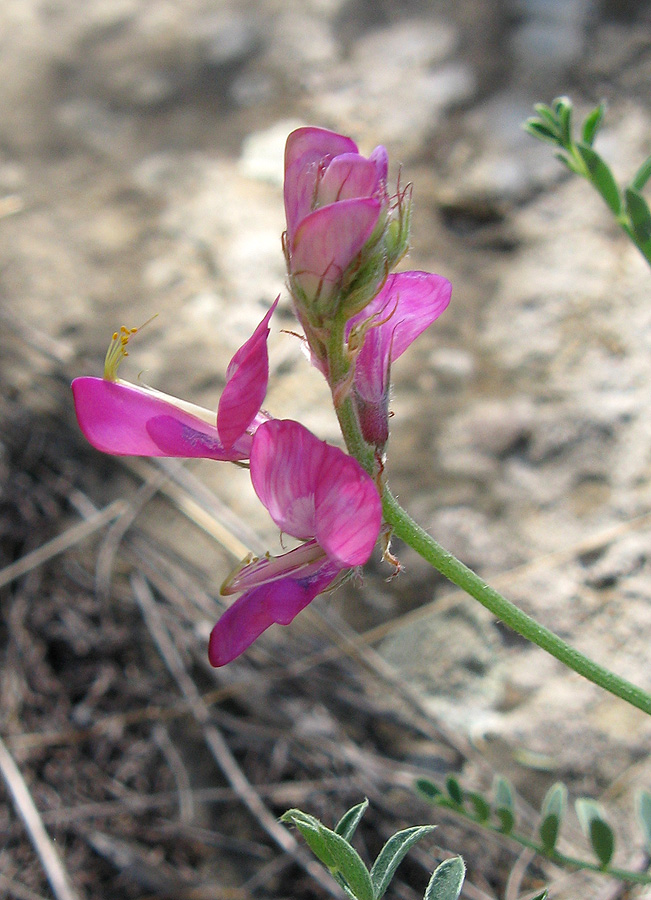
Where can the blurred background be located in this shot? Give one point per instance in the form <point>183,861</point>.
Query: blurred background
<point>141,148</point>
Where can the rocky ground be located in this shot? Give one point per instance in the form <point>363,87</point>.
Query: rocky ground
<point>140,173</point>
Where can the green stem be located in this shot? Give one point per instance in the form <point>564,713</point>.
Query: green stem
<point>448,565</point>
<point>554,855</point>
<point>412,534</point>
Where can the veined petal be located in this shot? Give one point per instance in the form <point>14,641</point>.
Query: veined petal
<point>328,240</point>
<point>247,376</point>
<point>286,462</point>
<point>348,175</point>
<point>419,297</point>
<point>178,438</point>
<point>348,509</point>
<point>126,420</point>
<point>315,490</point>
<point>407,304</point>
<point>305,150</point>
<point>252,613</point>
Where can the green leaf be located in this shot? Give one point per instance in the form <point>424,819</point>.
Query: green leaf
<point>428,789</point>
<point>548,830</point>
<point>343,861</point>
<point>595,828</point>
<point>569,163</point>
<point>642,175</point>
<point>542,895</point>
<point>310,828</point>
<point>587,810</point>
<point>592,124</point>
<point>347,825</point>
<point>504,805</point>
<point>552,812</point>
<point>639,214</point>
<point>601,177</point>
<point>541,130</point>
<point>564,111</point>
<point>454,790</point>
<point>558,103</point>
<point>481,805</point>
<point>507,820</point>
<point>503,793</point>
<point>547,115</point>
<point>447,880</point>
<point>392,854</point>
<point>602,840</point>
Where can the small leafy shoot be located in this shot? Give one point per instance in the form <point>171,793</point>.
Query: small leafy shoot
<point>342,860</point>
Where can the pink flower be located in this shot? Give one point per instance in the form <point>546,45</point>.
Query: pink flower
<point>314,492</point>
<point>128,420</point>
<point>406,305</point>
<point>334,202</point>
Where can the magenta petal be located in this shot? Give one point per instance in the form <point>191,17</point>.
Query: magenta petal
<point>286,462</point>
<point>419,299</point>
<point>246,384</point>
<point>306,148</point>
<point>380,158</point>
<point>407,304</point>
<point>349,175</point>
<point>348,510</point>
<point>116,418</point>
<point>176,438</point>
<point>328,240</point>
<point>276,603</point>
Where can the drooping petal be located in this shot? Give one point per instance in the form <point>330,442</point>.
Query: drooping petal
<point>278,602</point>
<point>403,309</point>
<point>348,510</point>
<point>286,461</point>
<point>407,304</point>
<point>247,376</point>
<point>306,149</point>
<point>348,175</point>
<point>127,420</point>
<point>328,240</point>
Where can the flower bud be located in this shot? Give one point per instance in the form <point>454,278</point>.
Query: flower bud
<point>344,233</point>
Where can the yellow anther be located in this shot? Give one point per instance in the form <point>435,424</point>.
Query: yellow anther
<point>117,349</point>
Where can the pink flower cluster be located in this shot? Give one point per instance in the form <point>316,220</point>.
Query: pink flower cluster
<point>339,243</point>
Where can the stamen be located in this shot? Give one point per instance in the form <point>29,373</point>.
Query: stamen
<point>117,349</point>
